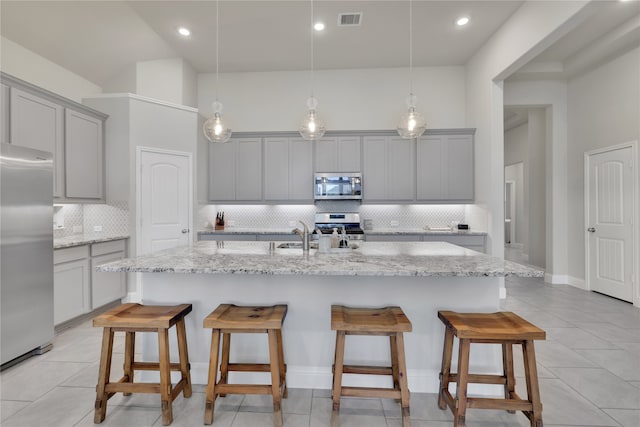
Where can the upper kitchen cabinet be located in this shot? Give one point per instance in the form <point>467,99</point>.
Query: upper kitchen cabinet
<point>84,156</point>
<point>389,169</point>
<point>72,132</point>
<point>445,168</point>
<point>338,154</point>
<point>38,123</point>
<point>288,170</point>
<point>235,170</point>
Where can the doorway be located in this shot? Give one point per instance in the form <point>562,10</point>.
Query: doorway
<point>611,191</point>
<point>164,199</point>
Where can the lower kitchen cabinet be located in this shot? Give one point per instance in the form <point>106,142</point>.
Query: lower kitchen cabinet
<point>71,283</point>
<point>474,242</point>
<point>394,238</point>
<point>77,287</point>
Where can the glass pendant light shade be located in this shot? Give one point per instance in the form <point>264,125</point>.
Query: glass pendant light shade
<point>312,127</point>
<point>412,124</point>
<point>215,130</point>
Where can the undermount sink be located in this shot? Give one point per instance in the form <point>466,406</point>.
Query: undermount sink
<point>296,245</point>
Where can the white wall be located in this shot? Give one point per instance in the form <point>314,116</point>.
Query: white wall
<point>604,110</point>
<point>35,69</point>
<point>536,182</point>
<point>160,79</point>
<point>348,99</point>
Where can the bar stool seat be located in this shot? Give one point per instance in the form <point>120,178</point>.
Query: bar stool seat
<point>386,321</point>
<point>229,318</point>
<point>505,328</point>
<point>132,318</point>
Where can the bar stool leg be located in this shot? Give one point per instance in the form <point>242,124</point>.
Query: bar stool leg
<point>404,386</point>
<point>531,375</point>
<point>224,364</point>
<point>275,377</point>
<point>283,367</point>
<point>210,394</point>
<point>165,376</point>
<point>394,362</point>
<point>103,376</point>
<point>183,353</point>
<point>129,355</point>
<point>461,389</point>
<point>337,378</point>
<point>445,371</point>
<point>507,368</point>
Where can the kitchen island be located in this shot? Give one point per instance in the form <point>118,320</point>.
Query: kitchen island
<point>420,277</point>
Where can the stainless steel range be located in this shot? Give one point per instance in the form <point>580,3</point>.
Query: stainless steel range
<point>326,222</point>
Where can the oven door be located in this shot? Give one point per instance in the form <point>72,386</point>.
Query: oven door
<point>337,186</point>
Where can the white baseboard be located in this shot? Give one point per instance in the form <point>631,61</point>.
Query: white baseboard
<point>578,283</point>
<point>556,279</point>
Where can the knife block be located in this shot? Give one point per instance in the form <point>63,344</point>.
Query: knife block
<point>219,226</point>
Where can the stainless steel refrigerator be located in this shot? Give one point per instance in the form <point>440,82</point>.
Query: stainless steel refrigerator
<point>26,251</point>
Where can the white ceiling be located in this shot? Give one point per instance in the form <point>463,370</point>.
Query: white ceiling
<point>98,39</point>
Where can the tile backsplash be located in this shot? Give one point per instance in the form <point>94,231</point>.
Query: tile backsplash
<point>112,217</point>
<point>279,216</point>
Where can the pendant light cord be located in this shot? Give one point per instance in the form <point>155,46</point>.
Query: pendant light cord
<point>311,43</point>
<point>411,47</point>
<point>217,45</point>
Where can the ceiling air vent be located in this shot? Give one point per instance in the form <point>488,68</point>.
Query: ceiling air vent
<point>349,19</point>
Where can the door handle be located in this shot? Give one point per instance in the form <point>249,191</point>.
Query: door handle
<point>591,230</point>
<point>185,230</point>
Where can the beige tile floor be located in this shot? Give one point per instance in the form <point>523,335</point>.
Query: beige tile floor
<point>589,370</point>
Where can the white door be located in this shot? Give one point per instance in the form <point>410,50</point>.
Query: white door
<point>610,200</point>
<point>165,200</point>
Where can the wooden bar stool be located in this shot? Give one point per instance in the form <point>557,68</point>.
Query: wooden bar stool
<point>132,318</point>
<point>387,321</point>
<point>228,319</point>
<point>503,328</point>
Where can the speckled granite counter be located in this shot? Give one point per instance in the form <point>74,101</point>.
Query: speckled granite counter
<point>420,277</point>
<point>402,231</point>
<point>370,259</point>
<point>84,239</point>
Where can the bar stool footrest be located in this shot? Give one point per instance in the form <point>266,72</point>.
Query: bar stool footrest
<point>154,366</point>
<point>375,392</point>
<point>504,404</point>
<point>251,367</point>
<point>367,370</point>
<point>480,379</point>
<point>243,389</point>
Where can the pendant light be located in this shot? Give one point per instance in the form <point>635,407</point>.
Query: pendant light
<point>312,127</point>
<point>215,130</point>
<point>412,124</point>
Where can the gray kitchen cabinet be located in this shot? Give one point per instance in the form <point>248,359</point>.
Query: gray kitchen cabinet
<point>389,169</point>
<point>445,168</point>
<point>288,170</point>
<point>235,170</point>
<point>107,287</point>
<point>393,237</point>
<point>84,156</point>
<point>474,241</point>
<point>5,98</point>
<point>38,123</point>
<point>71,283</point>
<point>338,154</point>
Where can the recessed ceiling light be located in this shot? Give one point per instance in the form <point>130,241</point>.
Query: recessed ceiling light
<point>184,31</point>
<point>464,20</point>
<point>318,26</point>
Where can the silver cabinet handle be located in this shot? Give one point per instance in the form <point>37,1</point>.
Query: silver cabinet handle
<point>185,230</point>
<point>591,230</point>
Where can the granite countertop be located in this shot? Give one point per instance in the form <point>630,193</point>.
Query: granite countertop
<point>389,231</point>
<point>370,259</point>
<point>85,239</point>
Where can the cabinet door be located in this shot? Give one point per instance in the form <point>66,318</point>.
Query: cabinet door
<point>429,168</point>
<point>4,114</point>
<point>70,290</point>
<point>38,123</point>
<point>84,155</point>
<point>300,170</point>
<point>106,287</point>
<point>400,169</point>
<point>248,169</point>
<point>349,154</point>
<point>222,172</point>
<point>276,168</point>
<point>459,170</point>
<point>374,176</point>
<point>327,155</point>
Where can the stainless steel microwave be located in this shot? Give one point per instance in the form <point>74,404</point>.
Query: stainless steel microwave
<point>337,185</point>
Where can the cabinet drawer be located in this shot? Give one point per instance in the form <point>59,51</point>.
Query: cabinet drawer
<point>70,254</point>
<point>456,240</point>
<point>107,247</point>
<point>277,237</point>
<point>393,238</point>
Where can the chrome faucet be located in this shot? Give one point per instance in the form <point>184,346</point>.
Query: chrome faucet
<point>304,235</point>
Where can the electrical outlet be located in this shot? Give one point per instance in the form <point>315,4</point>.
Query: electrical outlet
<point>97,228</point>
<point>395,223</point>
